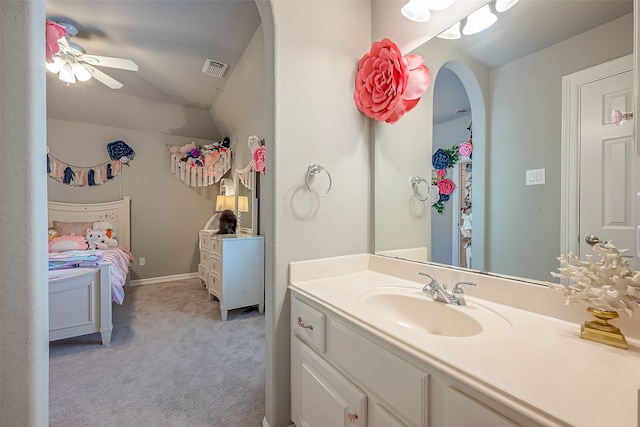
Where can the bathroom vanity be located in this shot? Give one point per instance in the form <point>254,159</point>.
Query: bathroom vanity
<point>369,348</point>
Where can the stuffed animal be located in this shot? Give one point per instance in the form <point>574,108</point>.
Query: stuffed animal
<point>186,149</point>
<point>96,239</point>
<point>68,243</point>
<point>53,233</point>
<point>107,227</point>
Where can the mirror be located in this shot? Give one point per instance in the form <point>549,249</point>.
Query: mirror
<point>511,76</point>
<point>245,183</point>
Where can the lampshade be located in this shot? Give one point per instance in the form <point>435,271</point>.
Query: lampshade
<point>479,20</point>
<point>80,72</point>
<point>502,5</point>
<point>243,204</point>
<point>451,33</point>
<point>66,74</point>
<point>225,202</point>
<point>416,10</point>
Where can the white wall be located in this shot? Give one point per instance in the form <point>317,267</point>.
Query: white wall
<point>526,134</point>
<point>313,54</point>
<point>24,308</point>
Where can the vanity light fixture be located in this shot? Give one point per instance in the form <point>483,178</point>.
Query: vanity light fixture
<point>502,5</point>
<point>479,20</point>
<point>419,10</point>
<point>416,10</point>
<point>452,33</point>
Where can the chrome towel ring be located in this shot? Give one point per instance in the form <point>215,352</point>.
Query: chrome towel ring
<point>312,171</point>
<point>417,180</point>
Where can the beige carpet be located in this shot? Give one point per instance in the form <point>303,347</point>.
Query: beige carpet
<point>171,362</point>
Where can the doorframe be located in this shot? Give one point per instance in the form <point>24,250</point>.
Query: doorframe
<point>570,147</point>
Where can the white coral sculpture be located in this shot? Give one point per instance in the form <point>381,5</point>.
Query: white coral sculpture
<point>608,284</point>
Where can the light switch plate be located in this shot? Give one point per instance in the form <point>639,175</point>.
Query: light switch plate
<point>535,177</point>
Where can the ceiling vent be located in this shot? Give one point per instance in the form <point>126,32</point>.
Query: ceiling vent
<point>214,68</point>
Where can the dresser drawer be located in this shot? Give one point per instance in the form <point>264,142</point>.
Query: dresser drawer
<point>203,272</point>
<point>205,238</point>
<point>215,245</point>
<point>309,324</point>
<point>215,284</point>
<point>215,265</point>
<point>204,256</point>
<point>400,385</point>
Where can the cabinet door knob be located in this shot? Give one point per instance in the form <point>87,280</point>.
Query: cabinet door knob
<point>302,325</point>
<point>352,417</point>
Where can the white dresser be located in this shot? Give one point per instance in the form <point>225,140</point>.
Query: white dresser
<point>232,268</point>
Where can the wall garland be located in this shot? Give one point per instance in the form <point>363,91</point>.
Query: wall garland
<point>201,165</point>
<point>80,176</point>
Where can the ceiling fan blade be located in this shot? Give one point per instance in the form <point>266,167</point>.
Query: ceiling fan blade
<point>104,79</point>
<point>108,61</point>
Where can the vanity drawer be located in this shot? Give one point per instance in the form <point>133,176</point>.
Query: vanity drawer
<point>309,324</point>
<point>402,387</point>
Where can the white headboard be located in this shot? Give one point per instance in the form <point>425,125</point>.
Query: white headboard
<point>118,213</point>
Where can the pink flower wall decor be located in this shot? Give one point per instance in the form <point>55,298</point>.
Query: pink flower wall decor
<point>389,84</point>
<point>53,33</point>
<point>446,186</point>
<point>259,159</point>
<point>466,148</point>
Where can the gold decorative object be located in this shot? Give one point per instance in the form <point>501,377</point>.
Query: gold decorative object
<point>601,331</point>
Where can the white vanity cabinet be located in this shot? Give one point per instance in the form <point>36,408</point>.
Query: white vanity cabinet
<point>337,367</point>
<point>232,267</point>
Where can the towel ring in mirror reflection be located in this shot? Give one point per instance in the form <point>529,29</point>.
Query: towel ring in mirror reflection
<point>312,171</point>
<point>415,181</point>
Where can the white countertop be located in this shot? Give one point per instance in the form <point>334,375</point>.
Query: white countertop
<point>537,361</point>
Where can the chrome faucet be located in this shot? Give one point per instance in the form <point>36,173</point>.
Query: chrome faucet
<point>440,293</point>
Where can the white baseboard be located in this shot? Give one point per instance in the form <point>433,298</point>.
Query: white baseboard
<point>266,424</point>
<point>163,279</point>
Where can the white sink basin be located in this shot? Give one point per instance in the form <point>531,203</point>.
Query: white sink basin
<point>411,309</point>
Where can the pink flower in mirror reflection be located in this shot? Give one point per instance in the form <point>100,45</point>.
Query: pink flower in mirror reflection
<point>466,148</point>
<point>441,172</point>
<point>446,186</point>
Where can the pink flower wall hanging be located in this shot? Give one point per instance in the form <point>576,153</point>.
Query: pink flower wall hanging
<point>389,84</point>
<point>53,33</point>
<point>259,159</point>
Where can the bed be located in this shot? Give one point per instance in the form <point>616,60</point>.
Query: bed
<point>80,299</point>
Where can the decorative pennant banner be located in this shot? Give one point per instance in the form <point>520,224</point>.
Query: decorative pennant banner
<point>80,176</point>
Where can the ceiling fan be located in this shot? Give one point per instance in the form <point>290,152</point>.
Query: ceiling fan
<point>72,62</point>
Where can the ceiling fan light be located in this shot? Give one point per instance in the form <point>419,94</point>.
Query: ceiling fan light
<point>66,74</point>
<point>452,33</point>
<point>416,10</point>
<point>502,5</point>
<point>80,72</point>
<point>55,66</point>
<point>479,20</point>
<point>440,4</point>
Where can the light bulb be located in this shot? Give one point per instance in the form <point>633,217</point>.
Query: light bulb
<point>80,72</point>
<point>440,4</point>
<point>451,33</point>
<point>66,74</point>
<point>416,10</point>
<point>502,5</point>
<point>479,20</point>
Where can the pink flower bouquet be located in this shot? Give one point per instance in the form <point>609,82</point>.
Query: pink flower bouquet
<point>446,186</point>
<point>466,148</point>
<point>389,84</point>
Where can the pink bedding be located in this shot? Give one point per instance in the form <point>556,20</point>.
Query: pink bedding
<point>118,257</point>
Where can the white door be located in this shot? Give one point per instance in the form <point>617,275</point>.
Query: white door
<point>609,168</point>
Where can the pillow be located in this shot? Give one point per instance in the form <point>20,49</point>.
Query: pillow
<point>72,228</point>
<point>68,243</point>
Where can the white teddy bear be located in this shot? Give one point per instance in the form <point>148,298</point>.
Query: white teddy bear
<point>107,231</point>
<point>95,239</point>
